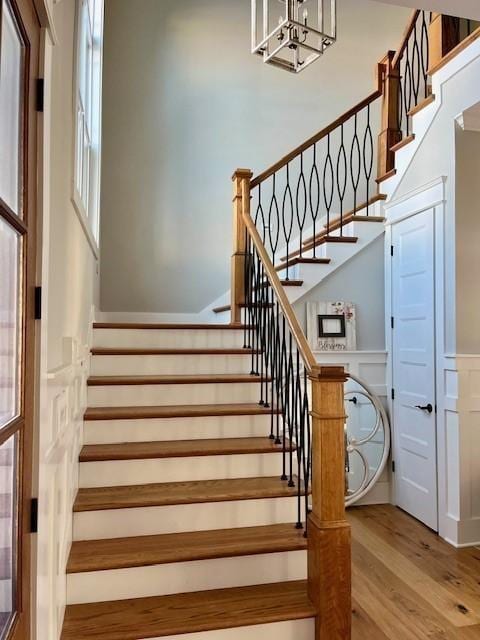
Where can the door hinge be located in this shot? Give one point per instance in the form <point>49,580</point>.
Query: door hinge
<point>392,322</point>
<point>38,303</point>
<point>40,95</point>
<point>393,466</point>
<point>34,515</point>
<point>393,394</point>
<point>391,250</point>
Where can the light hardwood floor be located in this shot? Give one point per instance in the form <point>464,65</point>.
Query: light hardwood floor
<point>408,584</point>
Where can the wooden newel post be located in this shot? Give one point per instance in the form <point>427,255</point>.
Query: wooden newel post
<point>443,36</point>
<point>240,177</point>
<point>390,133</point>
<point>329,539</point>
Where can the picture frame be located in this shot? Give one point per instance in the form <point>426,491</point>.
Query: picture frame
<point>331,326</point>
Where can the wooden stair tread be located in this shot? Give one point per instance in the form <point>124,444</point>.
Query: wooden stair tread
<point>386,176</point>
<point>122,553</point>
<point>202,378</point>
<point>292,262</point>
<point>166,326</point>
<point>184,613</point>
<point>323,238</point>
<point>179,449</point>
<point>173,493</point>
<point>350,216</point>
<point>421,105</point>
<point>114,351</point>
<point>176,411</point>
<point>403,143</point>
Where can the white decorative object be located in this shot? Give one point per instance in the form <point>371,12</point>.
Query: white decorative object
<point>291,34</point>
<point>331,326</point>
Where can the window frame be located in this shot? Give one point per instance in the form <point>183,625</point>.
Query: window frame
<point>87,118</point>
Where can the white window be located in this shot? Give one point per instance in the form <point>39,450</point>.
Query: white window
<point>88,109</point>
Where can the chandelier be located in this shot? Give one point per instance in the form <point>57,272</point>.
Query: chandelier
<point>294,35</point>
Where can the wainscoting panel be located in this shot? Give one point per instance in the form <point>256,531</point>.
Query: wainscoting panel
<point>60,444</point>
<point>371,368</point>
<point>459,471</point>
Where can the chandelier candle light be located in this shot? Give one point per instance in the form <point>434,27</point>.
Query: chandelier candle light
<point>294,35</point>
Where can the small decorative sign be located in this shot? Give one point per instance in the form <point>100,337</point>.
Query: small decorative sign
<point>331,326</point>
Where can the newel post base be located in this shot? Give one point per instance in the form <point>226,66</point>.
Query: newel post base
<point>330,578</point>
<point>390,133</point>
<point>237,289</point>
<point>329,542</point>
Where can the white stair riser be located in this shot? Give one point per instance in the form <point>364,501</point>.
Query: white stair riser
<point>144,521</point>
<point>172,394</point>
<point>185,577</point>
<point>288,630</point>
<point>116,431</point>
<point>132,472</point>
<point>170,364</point>
<point>168,338</point>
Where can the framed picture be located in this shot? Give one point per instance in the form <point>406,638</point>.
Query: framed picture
<point>331,326</point>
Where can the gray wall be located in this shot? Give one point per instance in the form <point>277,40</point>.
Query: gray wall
<point>467,226</point>
<point>361,281</point>
<point>185,103</point>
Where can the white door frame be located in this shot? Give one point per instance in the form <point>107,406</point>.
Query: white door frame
<point>429,196</point>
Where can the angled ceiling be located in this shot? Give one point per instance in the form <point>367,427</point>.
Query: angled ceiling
<point>463,8</point>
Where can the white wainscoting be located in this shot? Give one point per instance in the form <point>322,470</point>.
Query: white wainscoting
<point>371,368</point>
<point>60,444</point>
<point>458,431</point>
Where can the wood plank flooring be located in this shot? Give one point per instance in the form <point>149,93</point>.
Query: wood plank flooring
<point>408,584</point>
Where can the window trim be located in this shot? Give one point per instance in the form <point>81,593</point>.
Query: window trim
<point>90,225</point>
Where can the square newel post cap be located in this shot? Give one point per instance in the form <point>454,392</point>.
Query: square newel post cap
<point>327,373</point>
<point>242,173</point>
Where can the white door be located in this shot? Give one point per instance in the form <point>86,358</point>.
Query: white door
<point>413,364</point>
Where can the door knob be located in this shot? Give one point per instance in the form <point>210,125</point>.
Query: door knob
<point>427,408</point>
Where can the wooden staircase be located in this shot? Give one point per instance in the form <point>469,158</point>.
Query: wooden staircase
<point>186,523</point>
<point>182,524</point>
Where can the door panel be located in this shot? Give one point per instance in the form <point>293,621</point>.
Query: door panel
<point>19,45</point>
<point>413,363</point>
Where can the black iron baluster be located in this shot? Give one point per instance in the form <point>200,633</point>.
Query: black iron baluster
<point>328,199</point>
<point>260,216</point>
<point>368,164</point>
<point>299,437</point>
<point>425,53</point>
<point>287,226</point>
<point>416,65</point>
<point>314,179</point>
<point>307,448</point>
<point>301,207</point>
<point>355,150</point>
<point>273,219</point>
<point>341,176</point>
<point>407,91</point>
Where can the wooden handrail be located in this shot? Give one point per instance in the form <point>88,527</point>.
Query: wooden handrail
<point>287,309</point>
<point>406,35</point>
<point>323,133</point>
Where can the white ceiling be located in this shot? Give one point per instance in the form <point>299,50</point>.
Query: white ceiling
<point>463,8</point>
